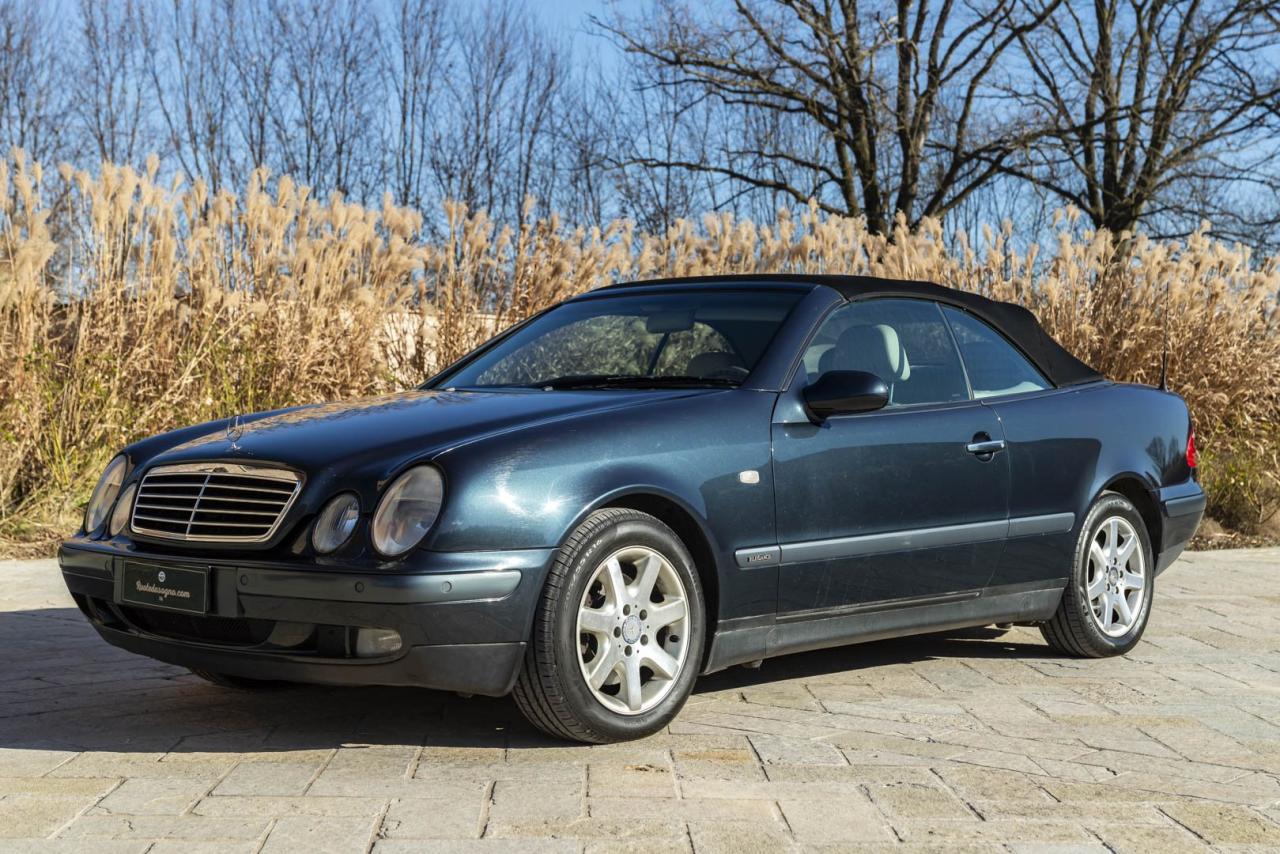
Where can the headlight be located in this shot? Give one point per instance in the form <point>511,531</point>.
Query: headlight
<point>105,493</point>
<point>120,516</point>
<point>336,522</point>
<point>407,510</point>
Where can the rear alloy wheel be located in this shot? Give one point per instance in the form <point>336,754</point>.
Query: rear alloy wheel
<point>1105,607</point>
<point>618,634</point>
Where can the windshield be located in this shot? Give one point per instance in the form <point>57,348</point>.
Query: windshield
<point>693,339</point>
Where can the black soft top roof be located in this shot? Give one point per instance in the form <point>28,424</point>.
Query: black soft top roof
<point>1015,322</point>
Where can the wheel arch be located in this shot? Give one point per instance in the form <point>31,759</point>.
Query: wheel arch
<point>682,520</point>
<point>1135,489</point>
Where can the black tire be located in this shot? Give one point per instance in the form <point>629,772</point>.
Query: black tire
<point>238,683</point>
<point>551,691</point>
<point>1073,630</point>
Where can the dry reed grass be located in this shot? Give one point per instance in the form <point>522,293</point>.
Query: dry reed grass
<point>161,305</point>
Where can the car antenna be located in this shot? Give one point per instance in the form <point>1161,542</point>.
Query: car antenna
<point>1164,349</point>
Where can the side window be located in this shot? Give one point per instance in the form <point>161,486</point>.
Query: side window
<point>995,366</point>
<point>905,342</point>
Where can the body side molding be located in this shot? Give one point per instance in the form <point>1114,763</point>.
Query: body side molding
<point>901,541</point>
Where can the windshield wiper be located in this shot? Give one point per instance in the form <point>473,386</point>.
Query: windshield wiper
<point>633,381</point>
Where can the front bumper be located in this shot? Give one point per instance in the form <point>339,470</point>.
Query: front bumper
<point>463,617</point>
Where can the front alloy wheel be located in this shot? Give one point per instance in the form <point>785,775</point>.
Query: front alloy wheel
<point>632,624</point>
<point>618,634</point>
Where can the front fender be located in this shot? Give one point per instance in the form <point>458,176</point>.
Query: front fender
<point>531,488</point>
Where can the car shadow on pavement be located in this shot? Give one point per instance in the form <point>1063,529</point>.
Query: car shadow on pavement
<point>63,688</point>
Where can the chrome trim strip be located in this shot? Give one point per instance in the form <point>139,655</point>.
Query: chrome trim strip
<point>1051,523</point>
<point>877,605</point>
<point>895,541</point>
<point>754,558</point>
<point>920,538</point>
<point>285,477</point>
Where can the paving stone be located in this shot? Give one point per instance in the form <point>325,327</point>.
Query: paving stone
<point>715,809</point>
<point>629,780</point>
<point>186,827</point>
<point>35,815</point>
<point>263,805</point>
<point>967,741</point>
<point>516,801</point>
<point>1141,839</point>
<point>795,751</point>
<point>479,846</point>
<point>152,796</point>
<point>441,818</point>
<point>719,837</point>
<point>846,819</point>
<point>268,778</point>
<point>74,846</point>
<point>995,832</point>
<point>1222,824</point>
<point>315,835</point>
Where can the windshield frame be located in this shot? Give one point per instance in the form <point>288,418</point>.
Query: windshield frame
<point>765,375</point>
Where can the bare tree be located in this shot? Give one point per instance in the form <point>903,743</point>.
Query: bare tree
<point>33,95</point>
<point>493,147</point>
<point>253,68</point>
<point>413,59</point>
<point>1157,112</point>
<point>110,80</point>
<point>189,68</point>
<point>323,121</point>
<point>659,125</point>
<point>891,90</point>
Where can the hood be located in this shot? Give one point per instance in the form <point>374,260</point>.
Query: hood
<point>381,433</point>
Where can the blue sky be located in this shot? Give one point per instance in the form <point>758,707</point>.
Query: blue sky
<point>569,19</point>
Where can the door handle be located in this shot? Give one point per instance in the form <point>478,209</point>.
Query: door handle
<point>985,446</point>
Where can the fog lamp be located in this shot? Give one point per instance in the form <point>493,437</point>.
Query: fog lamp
<point>371,643</point>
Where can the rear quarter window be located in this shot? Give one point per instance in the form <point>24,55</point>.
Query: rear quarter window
<point>995,366</point>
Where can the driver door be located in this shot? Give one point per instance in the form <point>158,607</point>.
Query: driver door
<point>891,507</point>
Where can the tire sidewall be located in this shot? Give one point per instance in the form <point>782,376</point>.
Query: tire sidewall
<point>627,532</point>
<point>1108,505</point>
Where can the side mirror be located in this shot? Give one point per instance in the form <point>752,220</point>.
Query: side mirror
<point>844,393</point>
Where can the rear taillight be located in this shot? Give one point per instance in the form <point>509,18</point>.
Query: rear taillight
<point>1191,447</point>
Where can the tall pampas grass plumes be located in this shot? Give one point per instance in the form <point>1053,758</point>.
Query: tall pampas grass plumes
<point>129,307</point>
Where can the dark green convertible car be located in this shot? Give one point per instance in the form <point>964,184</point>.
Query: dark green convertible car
<point>645,483</point>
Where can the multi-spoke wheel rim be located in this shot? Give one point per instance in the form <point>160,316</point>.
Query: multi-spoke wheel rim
<point>1117,583</point>
<point>632,631</point>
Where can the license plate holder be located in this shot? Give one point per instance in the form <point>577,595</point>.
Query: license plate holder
<point>166,587</point>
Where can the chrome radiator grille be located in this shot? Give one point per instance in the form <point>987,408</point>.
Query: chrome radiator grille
<point>213,502</point>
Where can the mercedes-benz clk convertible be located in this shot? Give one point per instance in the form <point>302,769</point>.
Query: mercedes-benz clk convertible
<point>649,482</point>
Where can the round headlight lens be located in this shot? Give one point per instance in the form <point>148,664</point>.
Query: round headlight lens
<point>336,522</point>
<point>120,516</point>
<point>105,493</point>
<point>407,510</point>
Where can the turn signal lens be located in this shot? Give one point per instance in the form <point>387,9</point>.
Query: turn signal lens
<point>1191,447</point>
<point>104,494</point>
<point>120,515</point>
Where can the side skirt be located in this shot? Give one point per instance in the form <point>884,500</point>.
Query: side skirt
<point>752,638</point>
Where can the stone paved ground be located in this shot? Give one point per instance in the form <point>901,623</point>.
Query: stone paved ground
<point>978,740</point>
